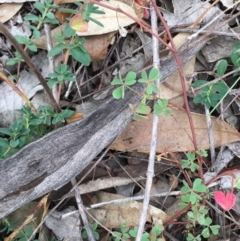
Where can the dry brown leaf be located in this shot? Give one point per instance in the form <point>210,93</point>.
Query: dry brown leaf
<point>96,46</point>
<point>58,2</point>
<point>174,134</point>
<point>113,215</point>
<point>8,10</point>
<point>62,16</point>
<point>111,20</point>
<point>76,116</point>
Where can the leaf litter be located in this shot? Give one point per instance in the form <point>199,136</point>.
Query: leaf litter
<point>174,132</point>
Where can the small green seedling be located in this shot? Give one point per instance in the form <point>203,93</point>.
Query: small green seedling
<point>190,162</point>
<point>17,59</point>
<point>27,42</point>
<point>130,79</point>
<point>29,126</point>
<point>45,16</point>
<point>154,75</point>
<point>93,226</point>
<point>23,235</point>
<point>192,195</point>
<point>211,94</point>
<point>160,107</point>
<point>61,74</point>
<point>130,234</point>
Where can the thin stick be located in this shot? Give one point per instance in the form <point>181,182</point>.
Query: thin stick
<point>150,171</point>
<point>82,211</point>
<point>210,134</point>
<point>50,59</point>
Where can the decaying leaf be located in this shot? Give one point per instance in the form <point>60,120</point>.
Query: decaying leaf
<point>111,20</point>
<point>174,134</point>
<point>77,23</point>
<point>77,116</point>
<point>113,215</point>
<point>8,10</point>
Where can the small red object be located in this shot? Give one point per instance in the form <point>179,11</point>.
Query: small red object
<point>226,201</point>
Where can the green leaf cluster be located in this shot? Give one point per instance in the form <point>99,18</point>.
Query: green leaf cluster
<point>27,42</point>
<point>88,10</point>
<point>61,74</point>
<point>211,94</point>
<point>160,107</point>
<point>192,195</point>
<point>130,79</point>
<point>77,49</point>
<point>126,233</point>
<point>17,59</point>
<point>29,126</point>
<point>45,16</point>
<point>235,56</point>
<point>23,235</point>
<point>76,46</point>
<point>93,226</point>
<point>190,162</point>
<point>151,89</point>
<point>205,222</point>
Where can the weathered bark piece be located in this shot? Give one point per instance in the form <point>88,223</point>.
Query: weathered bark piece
<point>52,161</point>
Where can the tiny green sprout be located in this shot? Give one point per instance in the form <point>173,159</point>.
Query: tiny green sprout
<point>154,75</point>
<point>211,94</point>
<point>190,162</point>
<point>93,226</point>
<point>130,234</point>
<point>79,52</point>
<point>27,42</point>
<point>202,153</point>
<point>62,73</point>
<point>7,226</point>
<point>25,234</point>
<point>17,59</point>
<point>209,228</point>
<point>161,108</point>
<point>140,111</point>
<point>222,67</point>
<point>123,235</point>
<point>130,79</point>
<point>191,237</point>
<point>197,214</point>
<point>28,127</point>
<point>191,194</point>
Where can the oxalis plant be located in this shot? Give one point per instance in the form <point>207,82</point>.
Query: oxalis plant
<point>127,234</point>
<point>199,224</point>
<point>160,107</point>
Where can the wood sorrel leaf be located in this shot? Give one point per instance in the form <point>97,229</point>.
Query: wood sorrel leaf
<point>198,186</point>
<point>225,201</point>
